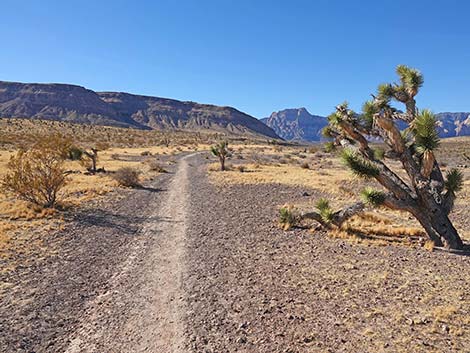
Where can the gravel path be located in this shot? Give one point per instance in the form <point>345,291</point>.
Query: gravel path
<point>144,300</point>
<point>114,284</point>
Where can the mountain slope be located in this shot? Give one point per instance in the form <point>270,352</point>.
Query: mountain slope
<point>299,124</point>
<point>80,105</point>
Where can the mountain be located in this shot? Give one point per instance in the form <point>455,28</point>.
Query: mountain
<point>453,124</point>
<point>299,124</point>
<point>77,104</point>
<point>296,124</point>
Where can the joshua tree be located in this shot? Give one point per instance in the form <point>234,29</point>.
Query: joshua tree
<point>92,156</point>
<point>426,193</point>
<point>221,150</point>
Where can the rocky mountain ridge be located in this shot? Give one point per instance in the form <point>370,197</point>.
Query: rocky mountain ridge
<point>298,124</point>
<point>77,104</point>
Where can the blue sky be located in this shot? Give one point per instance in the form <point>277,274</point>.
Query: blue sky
<point>258,56</point>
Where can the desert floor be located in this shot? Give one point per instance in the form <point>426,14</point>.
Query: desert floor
<point>195,261</point>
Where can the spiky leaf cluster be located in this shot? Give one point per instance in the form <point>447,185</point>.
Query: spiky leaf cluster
<point>288,216</point>
<point>372,196</point>
<point>329,147</point>
<point>411,79</point>
<point>324,209</point>
<point>385,93</point>
<point>425,132</point>
<point>335,119</point>
<point>221,149</point>
<point>379,153</point>
<point>369,109</point>
<point>360,166</point>
<point>327,132</point>
<point>454,180</point>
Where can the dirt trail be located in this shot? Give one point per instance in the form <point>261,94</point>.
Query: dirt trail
<point>145,298</point>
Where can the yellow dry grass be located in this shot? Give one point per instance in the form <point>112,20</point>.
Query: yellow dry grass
<point>327,176</point>
<point>18,216</point>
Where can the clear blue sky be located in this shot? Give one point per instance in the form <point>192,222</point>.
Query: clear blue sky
<point>258,56</point>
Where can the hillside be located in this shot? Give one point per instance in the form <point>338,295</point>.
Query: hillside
<point>299,124</point>
<point>63,102</point>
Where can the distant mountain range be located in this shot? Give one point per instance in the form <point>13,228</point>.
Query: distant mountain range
<point>77,104</point>
<point>298,124</point>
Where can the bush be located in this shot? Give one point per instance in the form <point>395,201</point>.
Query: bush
<point>75,153</point>
<point>155,166</point>
<point>127,176</point>
<point>37,174</point>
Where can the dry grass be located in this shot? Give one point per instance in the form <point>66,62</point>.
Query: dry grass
<point>327,177</point>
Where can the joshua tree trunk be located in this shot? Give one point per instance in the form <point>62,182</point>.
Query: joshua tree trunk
<point>93,158</point>
<point>222,163</point>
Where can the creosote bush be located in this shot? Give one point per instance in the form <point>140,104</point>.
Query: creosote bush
<point>127,176</point>
<point>36,174</point>
<point>156,167</point>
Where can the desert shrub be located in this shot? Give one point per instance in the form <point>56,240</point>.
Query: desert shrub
<point>305,165</point>
<point>312,149</point>
<point>37,174</point>
<point>75,153</point>
<point>127,176</point>
<point>155,166</point>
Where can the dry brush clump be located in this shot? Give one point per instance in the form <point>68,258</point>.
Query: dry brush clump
<point>128,177</point>
<point>36,174</point>
<point>426,193</point>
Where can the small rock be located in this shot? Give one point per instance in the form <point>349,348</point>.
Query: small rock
<point>241,340</point>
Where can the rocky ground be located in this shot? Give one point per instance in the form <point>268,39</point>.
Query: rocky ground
<point>187,266</point>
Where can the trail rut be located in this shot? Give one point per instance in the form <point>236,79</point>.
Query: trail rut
<point>142,311</point>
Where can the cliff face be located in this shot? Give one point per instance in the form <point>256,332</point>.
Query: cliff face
<point>299,124</point>
<point>453,124</point>
<point>80,105</point>
<point>296,124</point>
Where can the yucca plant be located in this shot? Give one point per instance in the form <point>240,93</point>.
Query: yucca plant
<point>427,194</point>
<point>221,151</point>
